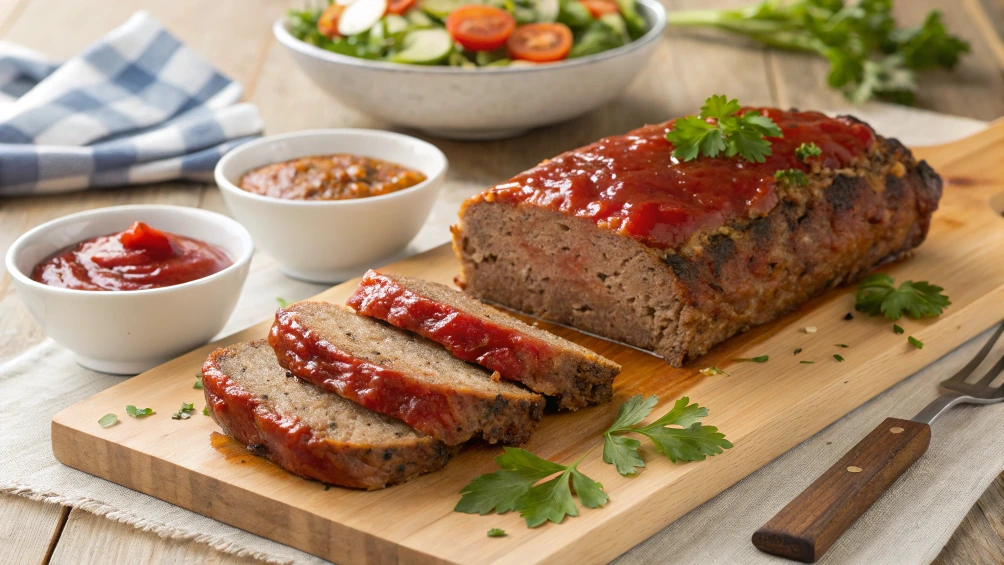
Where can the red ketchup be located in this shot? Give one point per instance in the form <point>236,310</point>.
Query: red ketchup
<point>631,183</point>
<point>139,258</point>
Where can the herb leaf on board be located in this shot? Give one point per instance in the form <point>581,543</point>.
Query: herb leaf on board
<point>690,441</point>
<point>515,487</point>
<point>878,294</point>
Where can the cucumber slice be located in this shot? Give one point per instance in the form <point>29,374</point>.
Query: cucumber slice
<point>486,58</point>
<point>457,59</point>
<point>442,8</point>
<point>524,15</point>
<point>360,16</point>
<point>388,26</point>
<point>547,10</point>
<point>424,47</point>
<point>419,19</point>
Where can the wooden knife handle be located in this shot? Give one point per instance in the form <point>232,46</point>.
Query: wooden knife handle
<point>805,528</point>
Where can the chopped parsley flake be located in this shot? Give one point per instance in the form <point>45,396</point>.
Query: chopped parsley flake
<point>184,413</point>
<point>797,351</point>
<point>896,329</point>
<point>915,342</point>
<point>807,362</point>
<point>108,420</point>
<point>759,359</point>
<point>806,150</point>
<point>711,371</point>
<point>198,382</point>
<point>496,533</point>
<point>838,358</point>
<point>791,177</point>
<point>138,412</point>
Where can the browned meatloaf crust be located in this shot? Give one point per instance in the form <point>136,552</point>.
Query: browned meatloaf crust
<point>401,375</point>
<point>478,333</point>
<point>315,434</point>
<point>681,301</point>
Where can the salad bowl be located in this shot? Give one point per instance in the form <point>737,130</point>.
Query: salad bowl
<point>480,103</point>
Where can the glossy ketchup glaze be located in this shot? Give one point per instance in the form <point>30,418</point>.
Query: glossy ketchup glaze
<point>515,355</point>
<point>138,258</point>
<point>285,440</point>
<point>632,184</point>
<point>424,407</point>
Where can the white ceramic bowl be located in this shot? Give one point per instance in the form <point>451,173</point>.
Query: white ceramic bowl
<point>485,103</point>
<point>128,332</point>
<point>332,240</point>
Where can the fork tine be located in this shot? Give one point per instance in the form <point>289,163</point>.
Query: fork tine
<point>992,374</point>
<point>964,373</point>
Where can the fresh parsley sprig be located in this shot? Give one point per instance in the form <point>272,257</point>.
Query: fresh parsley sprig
<point>515,487</point>
<point>720,128</point>
<point>878,294</point>
<point>870,56</point>
<point>691,441</point>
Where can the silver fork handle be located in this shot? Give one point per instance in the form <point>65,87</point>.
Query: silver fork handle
<point>939,406</point>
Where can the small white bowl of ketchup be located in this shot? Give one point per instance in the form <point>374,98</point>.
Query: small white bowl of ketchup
<point>127,288</point>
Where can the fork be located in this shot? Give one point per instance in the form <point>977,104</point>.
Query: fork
<point>805,528</point>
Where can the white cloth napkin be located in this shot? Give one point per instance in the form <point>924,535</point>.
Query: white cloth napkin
<point>135,107</point>
<point>909,525</point>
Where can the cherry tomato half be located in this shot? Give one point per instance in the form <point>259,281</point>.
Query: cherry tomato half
<point>540,43</point>
<point>599,8</point>
<point>327,24</point>
<point>399,6</point>
<point>480,28</point>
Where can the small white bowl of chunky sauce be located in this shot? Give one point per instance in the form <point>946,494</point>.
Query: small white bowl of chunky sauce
<point>127,288</point>
<point>330,204</point>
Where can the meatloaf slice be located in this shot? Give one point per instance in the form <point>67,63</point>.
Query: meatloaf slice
<point>478,333</point>
<point>307,431</point>
<point>401,375</point>
<point>621,239</point>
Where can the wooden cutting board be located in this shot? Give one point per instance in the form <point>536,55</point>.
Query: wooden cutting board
<point>764,409</point>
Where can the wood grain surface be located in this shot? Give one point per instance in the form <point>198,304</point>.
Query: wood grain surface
<point>234,35</point>
<point>764,413</point>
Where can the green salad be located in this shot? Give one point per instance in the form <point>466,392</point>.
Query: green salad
<point>459,33</point>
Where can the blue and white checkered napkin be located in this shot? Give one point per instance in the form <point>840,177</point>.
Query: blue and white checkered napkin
<point>136,107</point>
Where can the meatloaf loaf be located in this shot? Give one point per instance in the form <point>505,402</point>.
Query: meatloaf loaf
<point>401,375</point>
<point>307,431</point>
<point>622,239</point>
<point>475,332</point>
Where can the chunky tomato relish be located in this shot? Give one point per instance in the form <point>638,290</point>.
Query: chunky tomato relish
<point>633,185</point>
<point>139,258</point>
